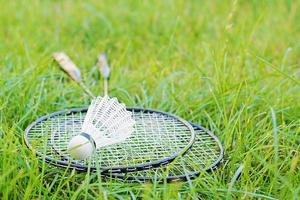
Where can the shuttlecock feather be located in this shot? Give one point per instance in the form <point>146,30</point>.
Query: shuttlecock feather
<point>107,122</point>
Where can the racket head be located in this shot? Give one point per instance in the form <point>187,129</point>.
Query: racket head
<point>205,155</point>
<point>148,147</point>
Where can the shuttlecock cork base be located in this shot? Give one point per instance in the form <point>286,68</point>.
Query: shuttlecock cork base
<point>81,146</point>
<point>107,122</point>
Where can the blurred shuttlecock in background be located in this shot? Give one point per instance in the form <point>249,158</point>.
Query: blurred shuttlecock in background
<point>107,122</point>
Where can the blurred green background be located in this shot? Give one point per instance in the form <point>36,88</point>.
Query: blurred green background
<point>232,66</point>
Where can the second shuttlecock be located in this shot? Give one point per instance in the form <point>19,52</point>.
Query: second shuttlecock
<point>107,122</point>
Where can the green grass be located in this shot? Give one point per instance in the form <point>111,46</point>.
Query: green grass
<point>231,66</point>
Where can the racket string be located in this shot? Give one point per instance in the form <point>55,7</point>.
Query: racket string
<point>52,135</point>
<point>204,152</point>
<point>155,137</point>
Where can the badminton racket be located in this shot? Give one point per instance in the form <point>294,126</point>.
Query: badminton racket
<point>159,137</point>
<point>205,155</point>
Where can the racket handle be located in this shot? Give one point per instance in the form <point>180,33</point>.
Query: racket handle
<point>71,70</point>
<point>67,66</point>
<point>103,65</point>
<point>104,70</point>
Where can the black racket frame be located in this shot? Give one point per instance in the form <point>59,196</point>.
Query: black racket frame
<point>181,177</point>
<point>107,170</point>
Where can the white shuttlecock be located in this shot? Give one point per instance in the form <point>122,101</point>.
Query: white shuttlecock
<point>107,122</point>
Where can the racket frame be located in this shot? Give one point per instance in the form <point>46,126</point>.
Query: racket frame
<point>114,169</point>
<point>181,177</point>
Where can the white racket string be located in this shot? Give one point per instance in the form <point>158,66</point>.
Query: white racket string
<point>205,155</point>
<point>157,136</point>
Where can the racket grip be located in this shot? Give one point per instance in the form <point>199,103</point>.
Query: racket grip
<point>103,66</point>
<point>67,66</point>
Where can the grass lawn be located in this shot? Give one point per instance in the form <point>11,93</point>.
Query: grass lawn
<point>232,66</point>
